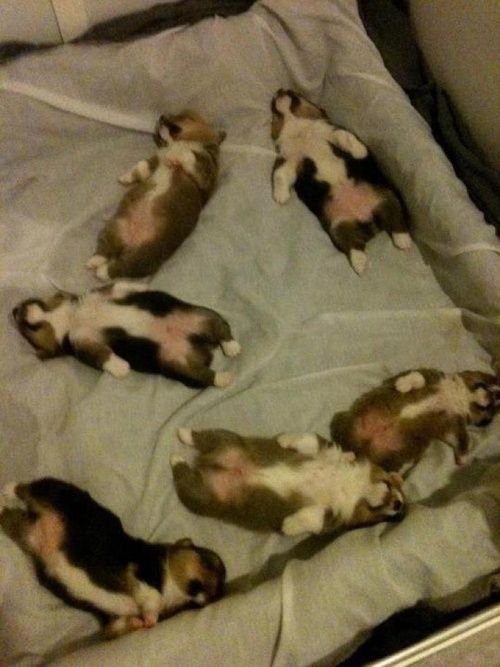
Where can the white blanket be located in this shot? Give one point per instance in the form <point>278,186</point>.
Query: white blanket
<point>314,334</point>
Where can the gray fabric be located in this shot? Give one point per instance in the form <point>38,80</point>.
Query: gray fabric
<point>314,335</point>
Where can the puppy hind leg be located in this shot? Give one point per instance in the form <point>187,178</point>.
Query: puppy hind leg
<point>390,217</point>
<point>351,237</point>
<point>207,440</point>
<point>458,438</point>
<point>219,333</point>
<point>190,485</point>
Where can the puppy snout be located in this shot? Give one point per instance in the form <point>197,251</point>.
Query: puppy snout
<point>397,505</point>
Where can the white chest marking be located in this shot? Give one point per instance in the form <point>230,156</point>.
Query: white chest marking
<point>452,396</point>
<point>82,587</point>
<point>328,479</point>
<point>301,138</point>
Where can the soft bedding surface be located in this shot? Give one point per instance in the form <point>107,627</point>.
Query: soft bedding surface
<point>314,334</point>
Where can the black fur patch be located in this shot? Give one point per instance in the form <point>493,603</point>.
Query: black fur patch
<point>140,352</point>
<point>313,192</point>
<point>364,169</point>
<point>155,302</point>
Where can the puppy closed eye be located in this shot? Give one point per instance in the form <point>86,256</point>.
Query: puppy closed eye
<point>195,587</point>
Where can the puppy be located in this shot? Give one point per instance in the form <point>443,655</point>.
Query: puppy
<point>162,205</point>
<point>292,483</point>
<point>394,423</point>
<point>334,176</point>
<point>126,325</point>
<point>83,555</point>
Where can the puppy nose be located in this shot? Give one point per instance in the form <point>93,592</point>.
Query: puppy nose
<point>15,312</point>
<point>397,506</point>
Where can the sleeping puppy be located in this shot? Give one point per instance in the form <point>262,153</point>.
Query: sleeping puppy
<point>164,199</point>
<point>126,325</point>
<point>83,555</point>
<point>394,423</point>
<point>293,483</point>
<point>335,176</point>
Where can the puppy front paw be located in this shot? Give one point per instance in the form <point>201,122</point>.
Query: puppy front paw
<point>95,261</point>
<point>281,192</point>
<point>409,382</point>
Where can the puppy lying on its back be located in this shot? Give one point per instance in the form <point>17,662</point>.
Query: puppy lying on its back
<point>126,325</point>
<point>335,176</point>
<point>83,555</point>
<point>164,200</point>
<point>292,483</point>
<point>394,423</point>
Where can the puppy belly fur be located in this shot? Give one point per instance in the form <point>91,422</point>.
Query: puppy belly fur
<point>381,431</point>
<point>139,227</point>
<point>352,201</point>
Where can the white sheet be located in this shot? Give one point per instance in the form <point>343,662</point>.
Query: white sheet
<point>314,334</point>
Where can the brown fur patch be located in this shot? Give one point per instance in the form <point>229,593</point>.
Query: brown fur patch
<point>186,564</point>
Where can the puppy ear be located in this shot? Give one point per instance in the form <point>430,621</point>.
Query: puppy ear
<point>222,136</point>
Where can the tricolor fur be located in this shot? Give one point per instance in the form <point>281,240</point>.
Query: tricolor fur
<point>395,422</point>
<point>291,483</point>
<point>335,176</point>
<point>83,555</point>
<point>164,200</point>
<point>125,325</point>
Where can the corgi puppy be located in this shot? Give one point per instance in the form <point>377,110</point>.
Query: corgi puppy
<point>164,200</point>
<point>394,423</point>
<point>126,325</point>
<point>82,554</point>
<point>334,176</point>
<point>293,483</point>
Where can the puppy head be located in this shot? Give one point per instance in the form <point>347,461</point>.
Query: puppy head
<point>186,126</point>
<point>198,572</point>
<point>44,324</point>
<point>484,396</point>
<point>383,502</point>
<point>287,103</point>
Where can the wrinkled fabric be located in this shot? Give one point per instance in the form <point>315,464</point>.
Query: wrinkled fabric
<point>314,334</point>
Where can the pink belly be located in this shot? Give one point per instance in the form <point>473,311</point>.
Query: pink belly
<point>380,430</point>
<point>138,227</point>
<point>172,333</point>
<point>352,201</point>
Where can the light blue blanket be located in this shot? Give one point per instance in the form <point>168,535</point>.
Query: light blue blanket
<point>314,334</point>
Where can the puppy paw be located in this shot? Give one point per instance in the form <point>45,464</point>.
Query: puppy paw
<point>409,382</point>
<point>102,272</point>
<point>116,366</point>
<point>95,261</point>
<point>358,260</point>
<point>402,240</point>
<point>223,379</point>
<point>348,457</point>
<point>127,178</point>
<point>281,192</point>
<point>176,459</point>
<point>185,435</point>
<point>305,443</point>
<point>9,498</point>
<point>231,348</point>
